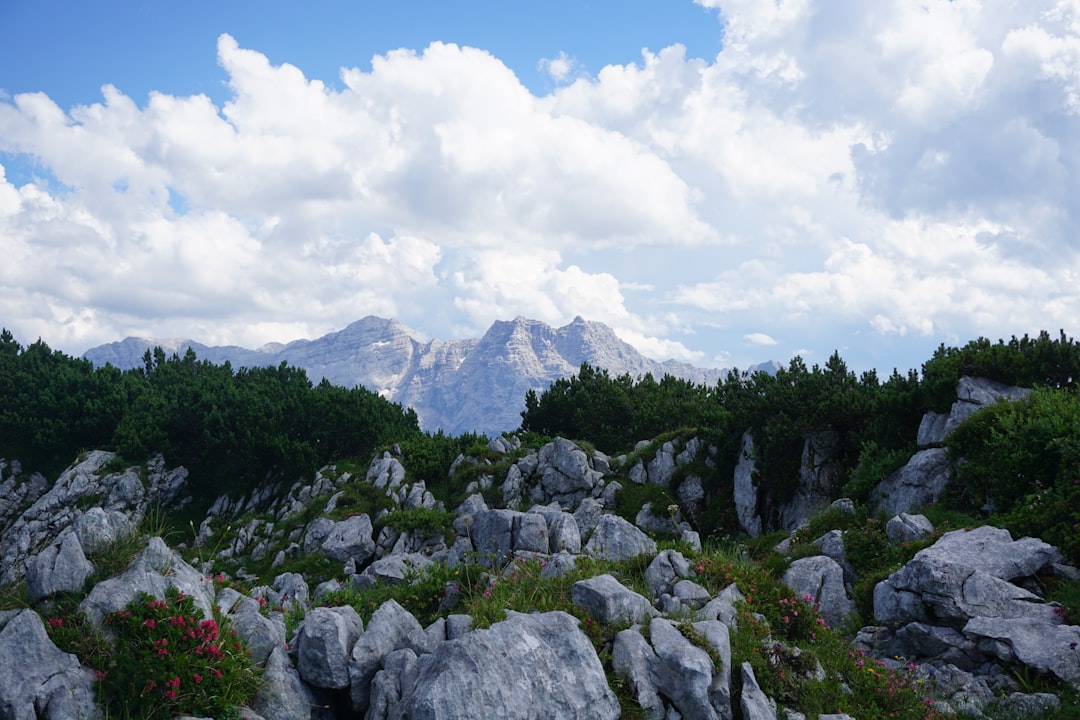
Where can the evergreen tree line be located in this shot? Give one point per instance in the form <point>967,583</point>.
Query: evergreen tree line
<point>230,428</point>
<point>871,424</point>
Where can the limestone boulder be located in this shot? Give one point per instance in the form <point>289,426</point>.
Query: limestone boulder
<point>609,601</point>
<point>616,539</point>
<point>325,642</point>
<point>821,579</point>
<point>37,679</point>
<point>527,666</point>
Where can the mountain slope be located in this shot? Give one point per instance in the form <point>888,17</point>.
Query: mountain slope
<point>454,385</point>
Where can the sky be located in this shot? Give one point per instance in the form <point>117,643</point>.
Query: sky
<point>723,182</point>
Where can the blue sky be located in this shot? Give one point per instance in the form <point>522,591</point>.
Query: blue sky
<point>721,181</point>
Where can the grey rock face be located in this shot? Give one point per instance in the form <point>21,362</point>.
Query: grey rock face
<point>326,640</point>
<point>832,545</point>
<point>920,481</point>
<point>392,685</point>
<point>963,575</point>
<point>350,539</point>
<point>722,607</point>
<point>492,535</point>
<point>155,570</point>
<point>822,579</point>
<point>386,473</point>
<point>35,674</point>
<point>260,634</point>
<point>632,659</point>
<point>906,528</point>
<point>565,474</point>
<point>667,568</point>
<point>818,475</point>
<point>393,569</point>
<point>527,667</point>
<point>683,673</point>
<point>283,695</point>
<point>754,703</point>
<point>61,567</point>
<point>616,539</point>
<point>389,626</point>
<point>746,492</point>
<point>1035,642</point>
<point>58,509</point>
<point>98,528</point>
<point>662,466</point>
<point>609,601</point>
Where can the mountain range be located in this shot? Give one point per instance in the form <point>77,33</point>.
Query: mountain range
<point>453,385</point>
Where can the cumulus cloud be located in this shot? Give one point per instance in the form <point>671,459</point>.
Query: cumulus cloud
<point>559,68</point>
<point>759,339</point>
<point>841,174</point>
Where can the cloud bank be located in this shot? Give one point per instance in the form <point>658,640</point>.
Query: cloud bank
<point>841,175</point>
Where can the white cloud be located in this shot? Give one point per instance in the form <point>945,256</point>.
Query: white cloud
<point>759,339</point>
<point>559,67</point>
<point>840,174</point>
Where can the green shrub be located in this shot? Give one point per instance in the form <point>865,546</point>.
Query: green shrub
<point>169,660</point>
<point>1022,461</point>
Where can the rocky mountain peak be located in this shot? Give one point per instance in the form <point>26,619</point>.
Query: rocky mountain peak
<point>453,385</point>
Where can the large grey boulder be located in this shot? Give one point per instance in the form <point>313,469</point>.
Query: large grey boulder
<point>350,539</point>
<point>1039,644</point>
<point>723,607</point>
<point>904,528</point>
<point>155,570</point>
<point>389,627</point>
<point>98,528</point>
<point>325,643</point>
<point>609,601</point>
<point>966,574</point>
<point>393,569</point>
<point>822,579</point>
<point>632,659</point>
<point>531,533</point>
<point>37,679</point>
<point>972,394</point>
<point>746,492</point>
<point>919,482</point>
<point>616,539</point>
<point>261,634</point>
<point>528,667</point>
<point>565,474</point>
<point>667,568</point>
<point>386,472</point>
<point>61,567</point>
<point>832,545</point>
<point>283,695</point>
<point>661,467</point>
<point>563,534</point>
<point>754,703</point>
<point>392,684</point>
<point>684,674</point>
<point>492,535</point>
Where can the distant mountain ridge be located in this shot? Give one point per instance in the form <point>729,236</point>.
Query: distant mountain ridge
<point>454,385</point>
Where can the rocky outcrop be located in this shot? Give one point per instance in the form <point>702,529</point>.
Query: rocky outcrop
<point>83,488</point>
<point>820,580</point>
<point>37,679</point>
<point>962,603</point>
<point>926,474</point>
<point>528,666</point>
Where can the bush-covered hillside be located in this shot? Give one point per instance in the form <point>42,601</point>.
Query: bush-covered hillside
<point>231,428</point>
